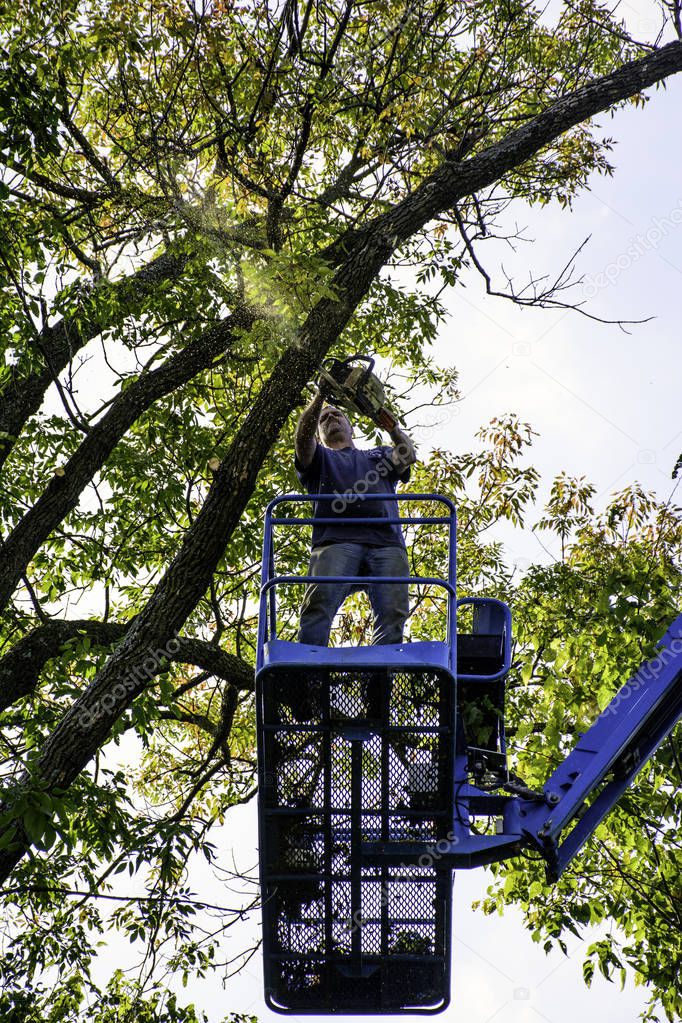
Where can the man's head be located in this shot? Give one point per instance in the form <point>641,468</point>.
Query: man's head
<point>334,429</point>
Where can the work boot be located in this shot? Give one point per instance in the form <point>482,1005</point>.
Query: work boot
<point>299,851</point>
<point>304,699</point>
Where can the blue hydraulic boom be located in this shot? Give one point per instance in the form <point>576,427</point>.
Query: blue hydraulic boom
<point>374,763</point>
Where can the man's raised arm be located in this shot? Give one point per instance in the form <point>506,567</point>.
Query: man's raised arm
<point>403,453</point>
<point>304,436</point>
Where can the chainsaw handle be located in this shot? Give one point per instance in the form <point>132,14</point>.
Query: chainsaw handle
<point>356,358</point>
<point>349,360</point>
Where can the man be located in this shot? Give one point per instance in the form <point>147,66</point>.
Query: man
<point>333,465</point>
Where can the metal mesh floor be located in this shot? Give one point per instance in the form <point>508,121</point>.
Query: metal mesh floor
<point>348,758</point>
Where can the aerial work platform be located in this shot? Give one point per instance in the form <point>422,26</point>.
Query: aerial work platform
<point>373,773</point>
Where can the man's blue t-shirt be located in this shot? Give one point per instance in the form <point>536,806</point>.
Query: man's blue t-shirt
<point>339,471</point>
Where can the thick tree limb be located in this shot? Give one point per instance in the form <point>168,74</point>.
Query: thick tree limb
<point>23,395</point>
<point>83,195</point>
<point>85,727</point>
<point>62,492</point>
<point>21,667</point>
<point>453,180</point>
<point>218,662</point>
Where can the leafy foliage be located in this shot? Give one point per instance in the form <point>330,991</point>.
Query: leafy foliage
<point>122,1002</point>
<point>583,627</point>
<point>190,196</point>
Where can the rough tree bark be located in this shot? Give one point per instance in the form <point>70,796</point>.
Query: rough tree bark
<point>20,669</point>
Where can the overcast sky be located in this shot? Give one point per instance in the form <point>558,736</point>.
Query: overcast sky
<point>606,403</point>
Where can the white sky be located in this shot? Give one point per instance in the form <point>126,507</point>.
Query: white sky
<point>606,405</point>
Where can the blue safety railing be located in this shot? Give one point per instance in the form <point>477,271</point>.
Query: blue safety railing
<point>267,625</point>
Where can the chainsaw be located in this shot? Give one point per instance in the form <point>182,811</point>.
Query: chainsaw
<point>356,388</point>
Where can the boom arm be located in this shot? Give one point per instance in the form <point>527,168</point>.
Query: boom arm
<point>583,788</point>
<point>608,756</point>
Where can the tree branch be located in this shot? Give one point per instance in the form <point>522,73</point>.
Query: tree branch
<point>63,491</point>
<point>545,298</point>
<point>22,396</point>
<point>21,667</point>
<point>453,180</point>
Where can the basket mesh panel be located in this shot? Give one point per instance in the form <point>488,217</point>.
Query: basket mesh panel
<point>368,938</point>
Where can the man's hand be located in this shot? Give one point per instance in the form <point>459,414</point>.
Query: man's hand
<point>305,441</point>
<point>324,388</point>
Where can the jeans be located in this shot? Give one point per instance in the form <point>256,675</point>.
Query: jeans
<point>390,601</point>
